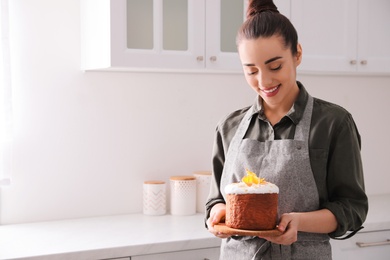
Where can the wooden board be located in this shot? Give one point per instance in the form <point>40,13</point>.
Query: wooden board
<point>241,232</point>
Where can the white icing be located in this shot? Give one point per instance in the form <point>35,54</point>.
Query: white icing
<point>242,188</point>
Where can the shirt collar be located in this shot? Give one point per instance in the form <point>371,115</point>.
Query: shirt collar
<point>296,111</point>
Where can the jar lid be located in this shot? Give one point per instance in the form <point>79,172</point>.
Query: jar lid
<point>202,173</point>
<point>182,178</point>
<point>154,182</point>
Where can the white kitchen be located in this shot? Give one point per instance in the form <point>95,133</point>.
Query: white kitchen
<point>93,119</point>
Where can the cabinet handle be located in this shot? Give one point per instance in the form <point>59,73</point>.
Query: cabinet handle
<point>199,58</point>
<point>382,243</point>
<point>213,58</point>
<point>363,62</point>
<point>353,62</point>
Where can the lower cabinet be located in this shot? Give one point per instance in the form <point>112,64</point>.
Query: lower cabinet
<point>363,246</point>
<point>211,253</point>
<point>373,245</point>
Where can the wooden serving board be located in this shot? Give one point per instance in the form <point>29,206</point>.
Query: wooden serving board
<point>241,232</point>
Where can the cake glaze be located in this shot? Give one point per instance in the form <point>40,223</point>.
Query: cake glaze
<point>243,188</point>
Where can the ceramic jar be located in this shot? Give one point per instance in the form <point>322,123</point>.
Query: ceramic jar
<point>154,198</point>
<point>183,195</point>
<point>202,189</point>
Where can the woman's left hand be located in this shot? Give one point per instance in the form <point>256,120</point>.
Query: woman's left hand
<point>319,221</point>
<point>288,225</point>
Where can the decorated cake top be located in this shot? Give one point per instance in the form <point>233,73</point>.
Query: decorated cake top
<point>251,184</point>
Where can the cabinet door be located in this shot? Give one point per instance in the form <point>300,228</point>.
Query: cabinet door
<point>223,19</point>
<point>173,34</point>
<point>374,36</point>
<point>363,246</point>
<point>199,254</point>
<point>327,31</point>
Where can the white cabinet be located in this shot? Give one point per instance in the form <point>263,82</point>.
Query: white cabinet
<point>160,34</point>
<point>198,254</point>
<point>343,36</point>
<point>363,246</point>
<point>163,34</point>
<point>374,36</point>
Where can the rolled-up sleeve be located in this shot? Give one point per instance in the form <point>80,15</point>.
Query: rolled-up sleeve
<point>347,199</point>
<point>218,158</point>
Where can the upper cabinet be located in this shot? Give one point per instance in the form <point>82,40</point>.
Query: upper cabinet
<point>343,36</point>
<point>337,36</point>
<point>193,35</point>
<point>161,34</point>
<point>374,36</point>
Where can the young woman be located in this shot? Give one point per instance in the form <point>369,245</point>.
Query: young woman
<point>310,148</point>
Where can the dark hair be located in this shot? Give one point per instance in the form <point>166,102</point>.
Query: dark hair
<point>264,20</point>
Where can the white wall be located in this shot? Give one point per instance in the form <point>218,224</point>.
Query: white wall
<point>85,142</point>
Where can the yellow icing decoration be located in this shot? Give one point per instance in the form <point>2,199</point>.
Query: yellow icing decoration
<point>251,178</point>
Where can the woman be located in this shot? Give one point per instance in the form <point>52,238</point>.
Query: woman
<point>310,148</point>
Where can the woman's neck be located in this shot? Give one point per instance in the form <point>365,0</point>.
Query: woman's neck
<point>275,112</point>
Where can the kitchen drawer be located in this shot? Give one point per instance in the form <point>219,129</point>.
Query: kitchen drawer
<point>122,258</point>
<point>211,253</point>
<point>373,245</point>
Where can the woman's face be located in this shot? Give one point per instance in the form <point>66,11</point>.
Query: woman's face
<point>270,68</point>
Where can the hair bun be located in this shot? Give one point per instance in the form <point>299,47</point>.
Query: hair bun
<point>258,6</point>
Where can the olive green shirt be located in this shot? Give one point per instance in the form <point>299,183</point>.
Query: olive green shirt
<point>335,159</point>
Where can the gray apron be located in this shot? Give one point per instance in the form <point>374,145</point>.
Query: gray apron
<point>287,164</point>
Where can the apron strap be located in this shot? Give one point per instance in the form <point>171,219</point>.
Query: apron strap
<point>302,131</point>
<point>232,153</point>
<point>262,249</point>
<point>349,235</point>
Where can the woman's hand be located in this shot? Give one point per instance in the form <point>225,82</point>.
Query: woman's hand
<point>288,225</point>
<point>217,215</point>
<point>319,221</point>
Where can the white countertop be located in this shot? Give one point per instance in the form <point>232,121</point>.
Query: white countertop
<point>104,237</point>
<point>129,235</point>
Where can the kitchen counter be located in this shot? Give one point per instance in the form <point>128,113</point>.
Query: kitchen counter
<point>129,235</point>
<point>104,237</point>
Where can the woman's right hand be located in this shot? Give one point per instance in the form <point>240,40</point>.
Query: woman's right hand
<point>217,215</point>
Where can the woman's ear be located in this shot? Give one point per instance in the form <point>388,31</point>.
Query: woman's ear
<point>298,56</point>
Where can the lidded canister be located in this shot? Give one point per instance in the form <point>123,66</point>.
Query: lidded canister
<point>202,189</point>
<point>154,198</point>
<point>183,195</point>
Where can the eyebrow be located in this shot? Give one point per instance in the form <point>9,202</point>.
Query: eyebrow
<point>266,62</point>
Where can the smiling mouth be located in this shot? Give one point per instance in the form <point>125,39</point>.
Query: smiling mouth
<point>270,90</point>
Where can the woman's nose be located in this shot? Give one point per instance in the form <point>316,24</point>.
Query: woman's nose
<point>264,79</point>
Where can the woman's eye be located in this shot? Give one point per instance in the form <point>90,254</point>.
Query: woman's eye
<point>276,68</point>
<point>251,73</point>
